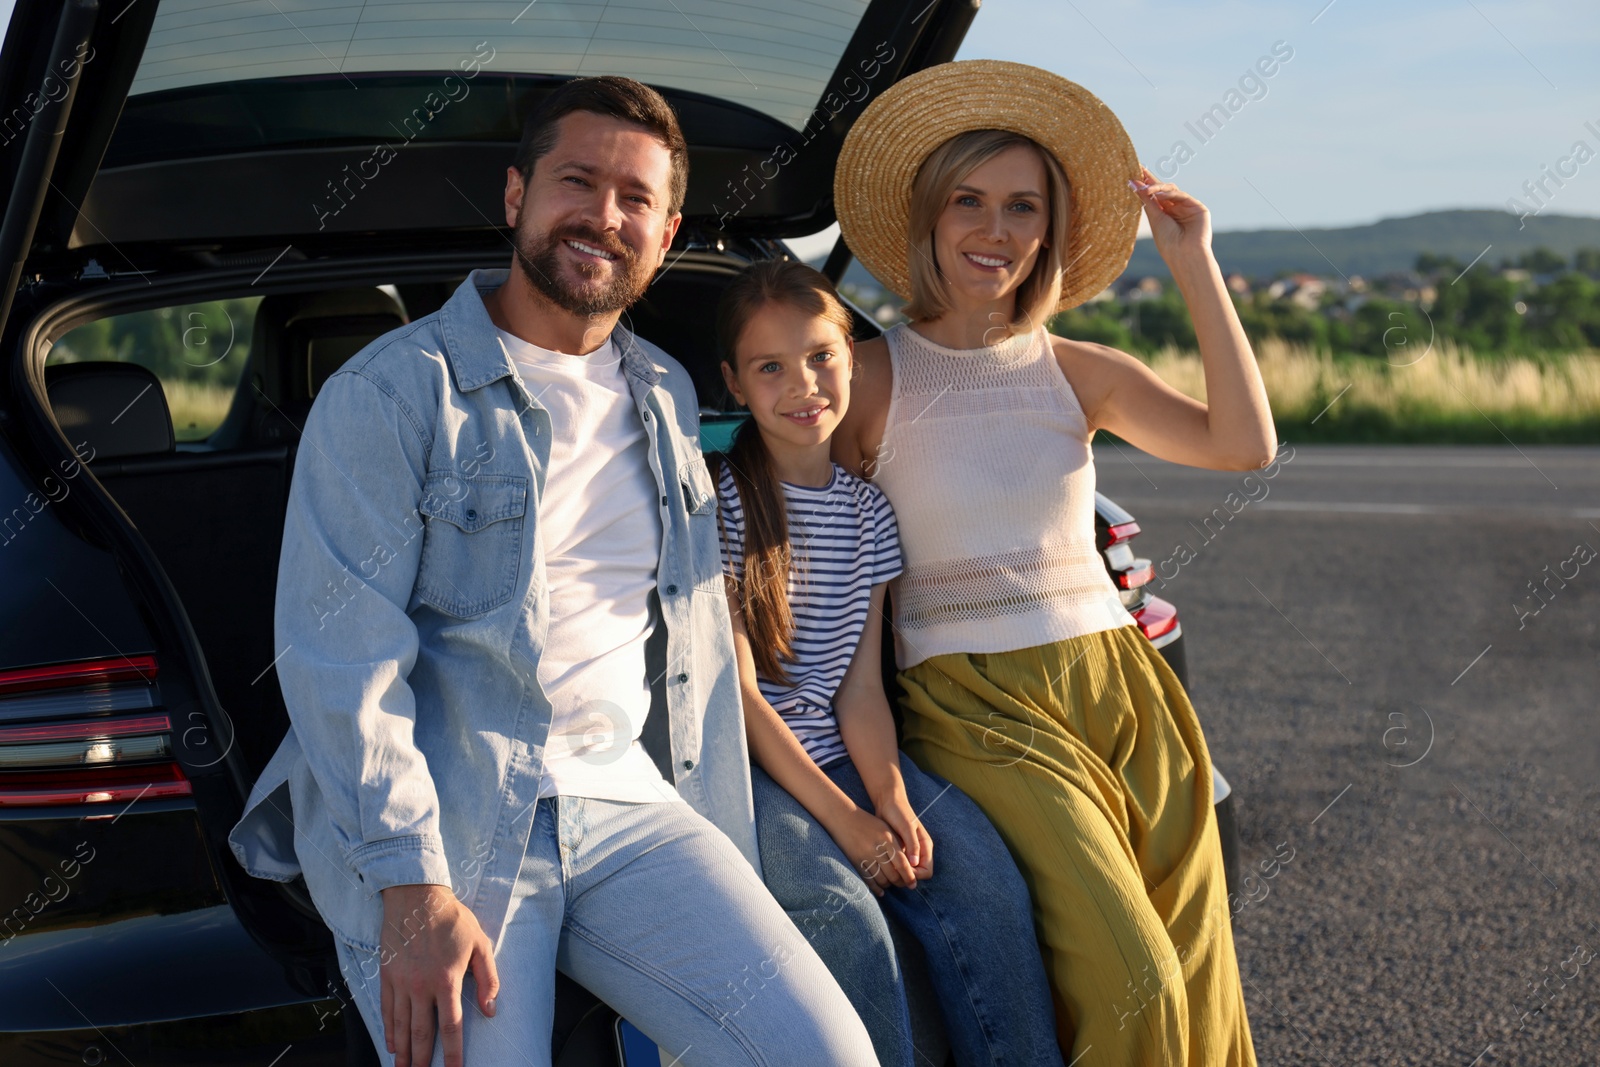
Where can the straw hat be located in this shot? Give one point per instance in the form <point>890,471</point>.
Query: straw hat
<point>897,132</point>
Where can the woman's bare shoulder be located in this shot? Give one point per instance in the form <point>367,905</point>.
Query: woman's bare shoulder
<point>1087,353</point>
<point>861,430</point>
<point>873,350</point>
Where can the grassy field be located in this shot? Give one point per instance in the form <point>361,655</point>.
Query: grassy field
<point>197,408</point>
<point>1448,396</point>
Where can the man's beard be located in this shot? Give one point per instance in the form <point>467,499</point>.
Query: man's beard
<point>538,257</point>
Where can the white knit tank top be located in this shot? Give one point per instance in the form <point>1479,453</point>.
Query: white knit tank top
<point>986,460</point>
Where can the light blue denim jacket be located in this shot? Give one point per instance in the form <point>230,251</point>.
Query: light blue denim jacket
<point>412,609</point>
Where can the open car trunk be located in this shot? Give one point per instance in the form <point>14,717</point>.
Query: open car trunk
<point>218,204</point>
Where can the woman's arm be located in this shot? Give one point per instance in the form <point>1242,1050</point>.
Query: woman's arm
<point>1233,429</point>
<point>867,727</point>
<point>860,835</point>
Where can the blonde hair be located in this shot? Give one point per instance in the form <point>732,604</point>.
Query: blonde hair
<point>945,168</point>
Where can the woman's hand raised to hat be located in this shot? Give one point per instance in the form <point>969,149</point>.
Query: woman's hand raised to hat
<point>1179,224</point>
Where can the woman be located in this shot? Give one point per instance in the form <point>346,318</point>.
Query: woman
<point>994,195</point>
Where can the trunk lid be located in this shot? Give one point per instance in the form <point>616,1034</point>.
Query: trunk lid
<point>214,129</point>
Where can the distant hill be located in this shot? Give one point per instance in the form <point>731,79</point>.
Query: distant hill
<point>1378,248</point>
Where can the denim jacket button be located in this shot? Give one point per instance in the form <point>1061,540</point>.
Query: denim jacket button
<point>663,501</point>
<point>472,513</point>
<point>688,764</point>
<point>671,589</point>
<point>683,678</point>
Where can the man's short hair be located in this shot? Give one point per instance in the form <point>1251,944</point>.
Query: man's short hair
<point>618,97</point>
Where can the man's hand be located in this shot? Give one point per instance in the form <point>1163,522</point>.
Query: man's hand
<point>429,940</point>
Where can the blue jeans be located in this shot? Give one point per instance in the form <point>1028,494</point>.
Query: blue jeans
<point>973,920</point>
<point>656,912</point>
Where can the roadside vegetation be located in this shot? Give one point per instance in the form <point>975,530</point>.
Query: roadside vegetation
<point>1448,396</point>
<point>1445,353</point>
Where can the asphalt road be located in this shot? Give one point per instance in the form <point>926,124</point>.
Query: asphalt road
<point>1389,699</point>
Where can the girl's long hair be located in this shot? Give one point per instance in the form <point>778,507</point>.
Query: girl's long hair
<point>763,587</point>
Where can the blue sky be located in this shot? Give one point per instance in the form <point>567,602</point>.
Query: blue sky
<point>1385,109</point>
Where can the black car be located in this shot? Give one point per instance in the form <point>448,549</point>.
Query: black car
<point>211,206</point>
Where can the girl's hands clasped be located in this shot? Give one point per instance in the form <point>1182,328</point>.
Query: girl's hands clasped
<point>892,850</point>
<point>914,839</point>
<point>873,849</point>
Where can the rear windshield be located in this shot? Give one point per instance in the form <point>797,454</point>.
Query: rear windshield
<point>774,56</point>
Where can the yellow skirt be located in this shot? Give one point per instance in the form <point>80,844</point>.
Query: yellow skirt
<point>1088,758</point>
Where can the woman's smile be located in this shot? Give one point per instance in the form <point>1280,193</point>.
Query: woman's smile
<point>987,262</point>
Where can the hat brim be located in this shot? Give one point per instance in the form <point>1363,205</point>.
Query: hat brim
<point>895,134</point>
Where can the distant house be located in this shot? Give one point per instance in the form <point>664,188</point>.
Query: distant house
<point>1404,284</point>
<point>1146,288</point>
<point>1238,283</point>
<point>1303,290</point>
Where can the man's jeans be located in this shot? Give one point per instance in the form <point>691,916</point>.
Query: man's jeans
<point>657,913</point>
<point>973,919</point>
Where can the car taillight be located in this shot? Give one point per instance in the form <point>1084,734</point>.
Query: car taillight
<point>1142,572</point>
<point>1157,618</point>
<point>90,759</point>
<point>82,673</point>
<point>1126,531</point>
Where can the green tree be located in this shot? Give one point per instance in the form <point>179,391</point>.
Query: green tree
<point>1099,323</point>
<point>1264,317</point>
<point>1478,310</point>
<point>1390,329</point>
<point>1565,314</point>
<point>1429,263</point>
<point>1161,322</point>
<point>1541,261</point>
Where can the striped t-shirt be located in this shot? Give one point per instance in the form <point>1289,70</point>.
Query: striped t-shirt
<point>843,541</point>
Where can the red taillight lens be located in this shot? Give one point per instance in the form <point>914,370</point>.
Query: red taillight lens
<point>1126,531</point>
<point>40,789</point>
<point>1157,618</point>
<point>84,672</point>
<point>71,731</point>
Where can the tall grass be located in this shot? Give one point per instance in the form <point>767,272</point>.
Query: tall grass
<point>197,407</point>
<point>1449,395</point>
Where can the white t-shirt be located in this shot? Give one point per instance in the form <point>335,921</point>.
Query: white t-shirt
<point>601,531</point>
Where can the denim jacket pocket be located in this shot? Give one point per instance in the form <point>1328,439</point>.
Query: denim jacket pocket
<point>472,547</point>
<point>699,496</point>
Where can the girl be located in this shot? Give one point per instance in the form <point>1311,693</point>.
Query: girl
<point>807,550</point>
<point>994,195</point>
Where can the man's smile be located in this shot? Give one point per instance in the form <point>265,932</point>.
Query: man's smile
<point>589,250</point>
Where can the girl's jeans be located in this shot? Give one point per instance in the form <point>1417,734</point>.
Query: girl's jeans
<point>973,920</point>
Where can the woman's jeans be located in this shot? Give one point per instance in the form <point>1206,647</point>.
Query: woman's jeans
<point>973,920</point>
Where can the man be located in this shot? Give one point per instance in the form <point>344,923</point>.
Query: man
<point>494,510</point>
